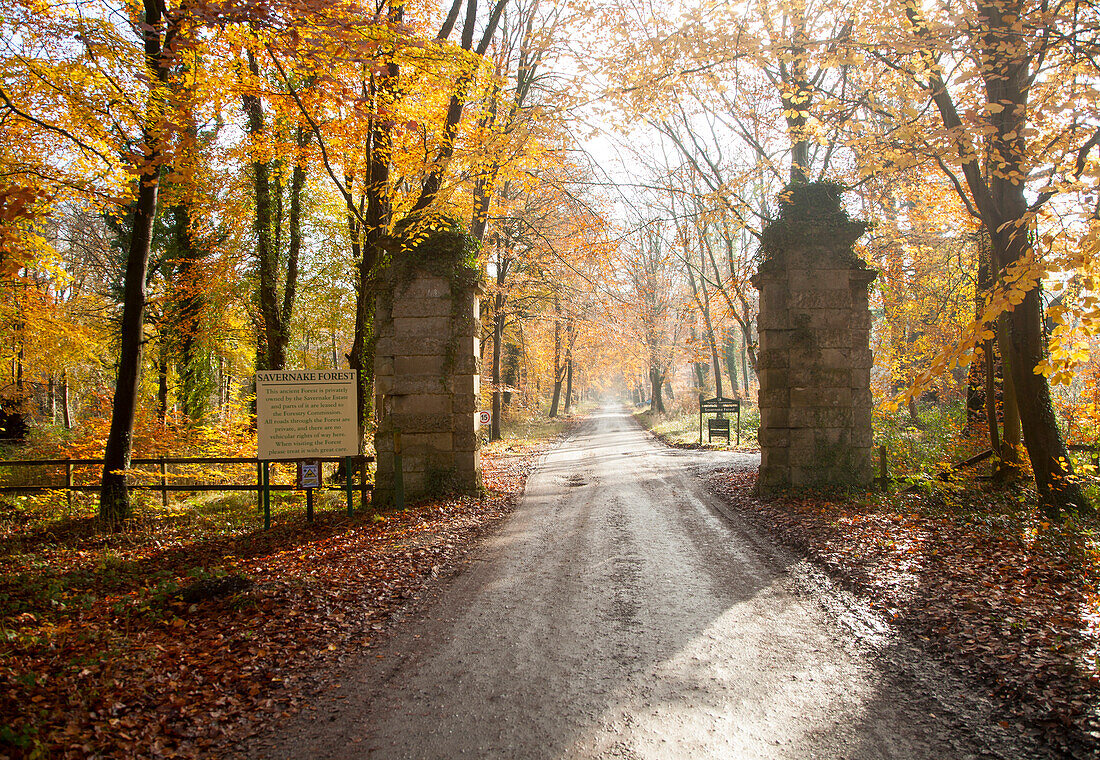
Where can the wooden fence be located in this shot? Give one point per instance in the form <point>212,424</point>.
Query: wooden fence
<point>166,481</point>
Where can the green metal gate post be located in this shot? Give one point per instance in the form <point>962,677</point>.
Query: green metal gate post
<point>267,494</point>
<point>348,485</point>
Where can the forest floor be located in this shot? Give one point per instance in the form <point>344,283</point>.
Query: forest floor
<point>100,655</point>
<point>103,654</point>
<point>974,574</point>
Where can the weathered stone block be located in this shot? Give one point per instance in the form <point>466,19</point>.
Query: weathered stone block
<point>772,359</point>
<point>821,299</point>
<point>423,403</point>
<point>774,456</point>
<point>774,437</point>
<point>421,307</point>
<point>835,338</point>
<point>862,398</point>
<point>778,319</point>
<point>466,403</point>
<point>415,327</point>
<point>774,340</point>
<point>828,418</point>
<point>424,443</point>
<point>422,345</point>
<point>413,422</point>
<point>418,365</point>
<point>466,364</point>
<point>861,358</point>
<point>423,287</point>
<point>823,397</point>
<point>464,440</point>
<point>775,476</point>
<point>773,378</point>
<point>775,417</point>
<point>416,482</point>
<point>383,384</point>
<point>774,397</point>
<point>819,377</point>
<point>825,358</point>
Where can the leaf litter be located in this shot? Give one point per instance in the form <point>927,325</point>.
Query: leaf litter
<point>100,655</point>
<point>1008,600</point>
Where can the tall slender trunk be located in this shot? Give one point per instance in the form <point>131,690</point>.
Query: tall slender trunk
<point>504,263</point>
<point>162,381</point>
<point>66,413</point>
<point>51,398</point>
<point>369,236</point>
<point>991,398</point>
<point>568,384</point>
<point>730,351</point>
<point>262,227</point>
<point>190,304</point>
<point>558,377</point>
<point>114,498</point>
<point>498,337</point>
<point>698,368</point>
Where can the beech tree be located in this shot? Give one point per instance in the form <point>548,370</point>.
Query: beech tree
<point>1013,133</point>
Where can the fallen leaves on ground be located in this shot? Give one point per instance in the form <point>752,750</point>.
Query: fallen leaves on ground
<point>100,656</point>
<point>1007,598</point>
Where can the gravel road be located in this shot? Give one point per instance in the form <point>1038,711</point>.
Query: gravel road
<point>621,613</point>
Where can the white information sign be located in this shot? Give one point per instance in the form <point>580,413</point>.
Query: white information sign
<point>303,414</point>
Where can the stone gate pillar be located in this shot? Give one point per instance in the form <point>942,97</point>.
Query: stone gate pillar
<point>427,374</point>
<point>814,358</point>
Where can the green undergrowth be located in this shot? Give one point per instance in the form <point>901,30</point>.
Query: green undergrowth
<point>929,450</point>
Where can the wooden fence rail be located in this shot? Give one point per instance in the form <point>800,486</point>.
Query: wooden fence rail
<point>263,485</point>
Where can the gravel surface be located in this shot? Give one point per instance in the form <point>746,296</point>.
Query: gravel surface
<point>624,612</point>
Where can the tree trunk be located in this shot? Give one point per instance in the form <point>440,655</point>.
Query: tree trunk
<point>1000,199</point>
<point>656,385</point>
<point>503,265</point>
<point>568,385</point>
<point>262,227</point>
<point>114,498</point>
<point>369,239</point>
<point>745,362</point>
<point>699,368</point>
<point>66,414</point>
<point>51,399</point>
<point>194,371</point>
<point>558,378</point>
<point>498,337</point>
<point>991,398</point>
<point>162,380</point>
<point>730,353</point>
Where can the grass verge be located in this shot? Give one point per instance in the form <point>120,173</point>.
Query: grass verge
<point>682,430</point>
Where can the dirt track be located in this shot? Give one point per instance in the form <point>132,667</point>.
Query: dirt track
<point>621,614</point>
